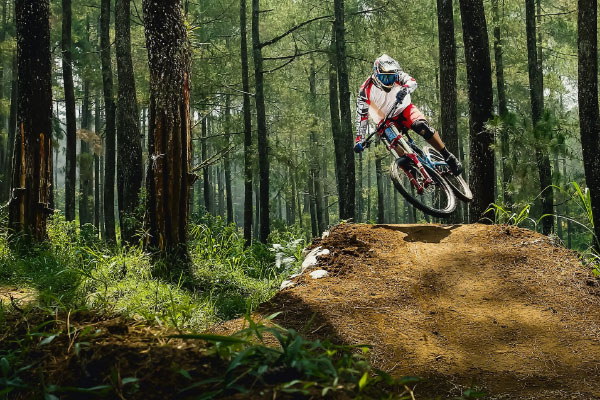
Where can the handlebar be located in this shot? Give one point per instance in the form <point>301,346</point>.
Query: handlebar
<point>367,141</point>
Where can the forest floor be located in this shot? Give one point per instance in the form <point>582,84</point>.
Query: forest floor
<point>499,309</point>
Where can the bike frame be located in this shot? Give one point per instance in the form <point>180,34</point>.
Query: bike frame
<point>388,131</point>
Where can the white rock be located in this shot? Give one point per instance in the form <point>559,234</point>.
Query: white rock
<point>318,274</point>
<point>323,252</point>
<point>295,276</point>
<point>325,234</point>
<point>311,258</point>
<point>287,285</point>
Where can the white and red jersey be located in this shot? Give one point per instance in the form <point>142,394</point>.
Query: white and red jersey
<point>376,103</point>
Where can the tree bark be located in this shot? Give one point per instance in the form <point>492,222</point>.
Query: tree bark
<point>315,166</point>
<point>589,121</point>
<point>344,141</point>
<point>502,107</point>
<point>67,67</point>
<point>168,176</point>
<point>227,161</point>
<point>32,165</point>
<point>479,80</point>
<point>447,48</point>
<point>536,91</point>
<point>336,128</point>
<point>86,172</point>
<point>447,64</point>
<point>247,129</point>
<point>109,131</point>
<point>3,145</point>
<point>12,126</point>
<point>206,171</point>
<point>129,150</point>
<point>261,126</point>
<point>97,130</point>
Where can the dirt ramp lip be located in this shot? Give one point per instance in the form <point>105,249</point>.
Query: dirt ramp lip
<point>421,233</point>
<point>499,308</point>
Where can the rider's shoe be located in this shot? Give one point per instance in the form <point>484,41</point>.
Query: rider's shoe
<point>455,166</point>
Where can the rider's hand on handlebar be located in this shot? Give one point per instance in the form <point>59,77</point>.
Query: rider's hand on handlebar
<point>401,95</point>
<point>358,147</point>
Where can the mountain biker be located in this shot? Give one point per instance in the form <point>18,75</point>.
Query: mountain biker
<point>378,95</point>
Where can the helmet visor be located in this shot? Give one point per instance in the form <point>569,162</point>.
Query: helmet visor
<point>387,79</point>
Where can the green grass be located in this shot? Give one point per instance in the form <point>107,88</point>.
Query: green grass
<point>74,269</point>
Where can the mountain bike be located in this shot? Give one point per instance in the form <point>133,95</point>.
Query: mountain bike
<point>420,175</point>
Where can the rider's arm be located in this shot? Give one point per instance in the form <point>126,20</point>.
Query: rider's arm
<point>362,110</point>
<point>407,81</point>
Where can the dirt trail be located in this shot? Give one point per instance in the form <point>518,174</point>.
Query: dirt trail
<point>496,308</point>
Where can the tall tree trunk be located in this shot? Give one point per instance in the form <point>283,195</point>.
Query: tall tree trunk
<point>315,166</point>
<point>169,177</point>
<point>85,162</point>
<point>3,145</point>
<point>109,131</point>
<point>261,125</point>
<point>380,197</point>
<point>336,128</point>
<point>447,64</point>
<point>589,121</point>
<point>97,130</point>
<point>129,150</point>
<point>536,91</point>
<point>12,126</point>
<point>502,107</point>
<point>227,161</point>
<point>344,140</point>
<point>247,129</point>
<point>447,48</point>
<point>32,166</point>
<point>479,79</point>
<point>205,171</point>
<point>67,67</point>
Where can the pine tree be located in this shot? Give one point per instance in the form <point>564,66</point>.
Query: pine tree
<point>32,169</point>
<point>168,176</point>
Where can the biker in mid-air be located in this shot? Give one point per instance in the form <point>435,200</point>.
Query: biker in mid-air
<point>386,85</point>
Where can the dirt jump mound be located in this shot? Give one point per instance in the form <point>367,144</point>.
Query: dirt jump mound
<point>496,308</point>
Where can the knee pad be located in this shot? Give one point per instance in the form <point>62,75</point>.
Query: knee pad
<point>422,128</point>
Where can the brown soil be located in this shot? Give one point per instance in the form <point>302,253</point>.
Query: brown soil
<point>491,307</point>
<point>495,308</point>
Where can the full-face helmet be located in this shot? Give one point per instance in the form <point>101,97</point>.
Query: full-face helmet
<point>385,72</point>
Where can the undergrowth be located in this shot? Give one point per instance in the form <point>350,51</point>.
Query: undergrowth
<point>74,269</point>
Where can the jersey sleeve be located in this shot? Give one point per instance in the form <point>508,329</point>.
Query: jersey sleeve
<point>362,110</point>
<point>407,81</point>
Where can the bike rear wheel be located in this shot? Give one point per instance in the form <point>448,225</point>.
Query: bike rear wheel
<point>437,199</point>
<point>458,185</point>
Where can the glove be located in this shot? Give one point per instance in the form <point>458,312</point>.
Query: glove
<point>401,95</point>
<point>358,147</point>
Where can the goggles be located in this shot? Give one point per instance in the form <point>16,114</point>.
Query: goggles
<point>387,79</point>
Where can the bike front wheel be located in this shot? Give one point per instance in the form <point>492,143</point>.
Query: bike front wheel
<point>457,183</point>
<point>437,198</point>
